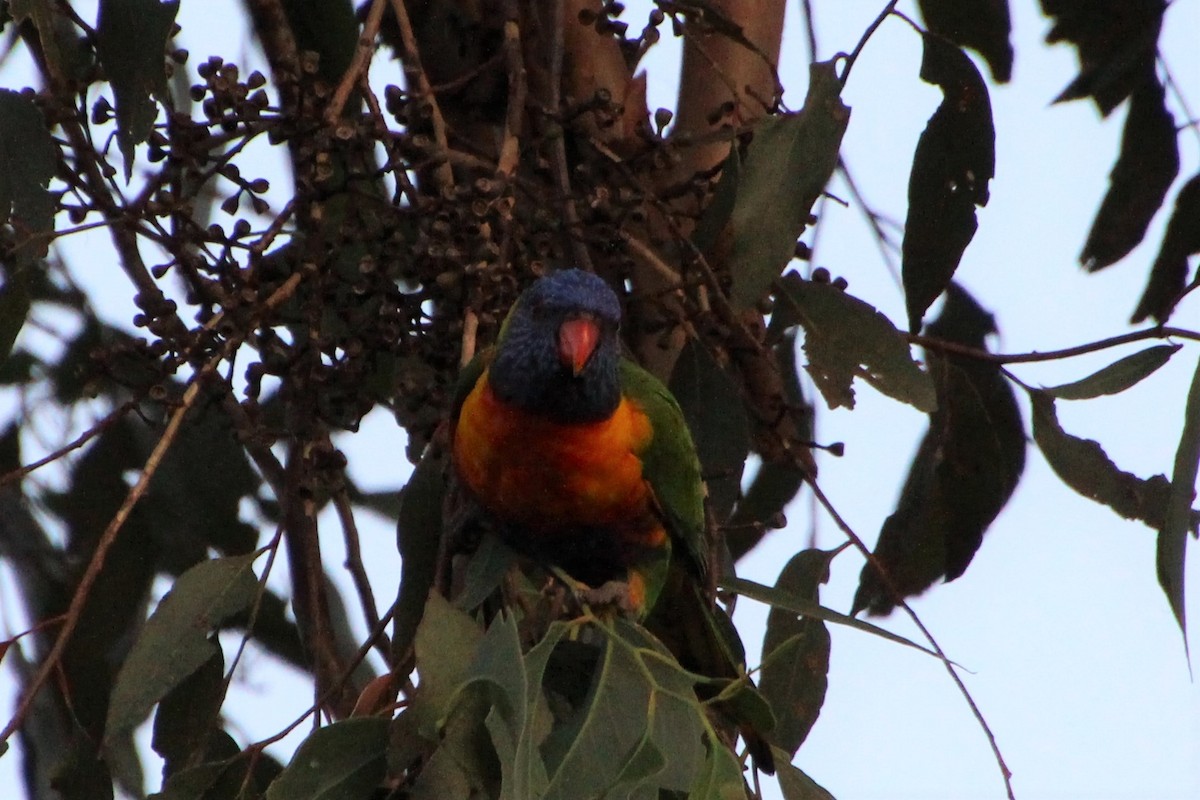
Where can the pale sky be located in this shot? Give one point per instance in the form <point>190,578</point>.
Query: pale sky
<point>1076,661</point>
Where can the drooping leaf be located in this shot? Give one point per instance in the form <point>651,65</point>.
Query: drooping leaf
<point>965,469</point>
<point>517,728</point>
<point>845,337</point>
<point>1115,41</point>
<point>1172,536</point>
<point>716,416</point>
<point>445,646</point>
<point>954,161</point>
<point>342,761</point>
<point>464,765</point>
<point>27,161</point>
<point>1145,169</point>
<point>796,785</point>
<point>131,41</point>
<point>189,714</point>
<point>776,483</point>
<point>787,166</point>
<point>982,25</point>
<point>66,57</point>
<point>714,222</point>
<point>174,642</point>
<point>1085,467</point>
<point>1117,376</point>
<point>489,564</point>
<point>200,782</point>
<point>795,667</point>
<point>639,727</point>
<point>1169,273</point>
<point>14,308</point>
<point>418,533</point>
<point>800,606</point>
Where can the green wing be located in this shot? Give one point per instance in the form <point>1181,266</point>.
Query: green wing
<point>670,462</point>
<point>468,376</point>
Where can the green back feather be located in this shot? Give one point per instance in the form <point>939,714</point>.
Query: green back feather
<point>670,463</point>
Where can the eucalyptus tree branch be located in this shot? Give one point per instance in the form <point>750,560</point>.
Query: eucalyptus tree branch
<point>1156,332</point>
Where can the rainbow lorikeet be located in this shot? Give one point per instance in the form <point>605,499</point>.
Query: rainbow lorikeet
<point>583,460</point>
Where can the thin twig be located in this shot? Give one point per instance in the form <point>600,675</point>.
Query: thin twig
<point>469,334</point>
<point>79,441</point>
<point>358,573</point>
<point>882,240</point>
<point>413,69</point>
<point>359,657</point>
<point>946,662</point>
<point>1156,332</point>
<point>107,539</point>
<point>510,146</point>
<point>583,258</point>
<point>109,536</point>
<point>359,64</point>
<point>862,42</point>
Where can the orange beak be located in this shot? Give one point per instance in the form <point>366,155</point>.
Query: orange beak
<point>577,340</point>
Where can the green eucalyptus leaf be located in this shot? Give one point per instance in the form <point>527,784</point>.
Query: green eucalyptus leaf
<point>787,165</point>
<point>1117,376</point>
<point>845,337</point>
<point>175,641</point>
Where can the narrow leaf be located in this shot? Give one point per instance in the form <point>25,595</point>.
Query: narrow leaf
<point>445,646</point>
<point>61,47</point>
<point>1116,44</point>
<point>787,166</point>
<point>982,25</point>
<point>953,164</point>
<point>1169,273</point>
<point>1085,467</point>
<point>418,533</point>
<point>14,308</point>
<point>795,668</point>
<point>712,406</point>
<point>27,160</point>
<point>777,598</point>
<point>175,641</point>
<point>1117,376</point>
<point>342,761</point>
<point>796,785</point>
<point>845,337</point>
<point>1172,537</point>
<point>1145,169</point>
<point>131,42</point>
<point>714,222</point>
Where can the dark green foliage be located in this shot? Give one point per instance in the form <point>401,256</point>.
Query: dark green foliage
<point>787,165</point>
<point>1167,276</point>
<point>982,25</point>
<point>954,162</point>
<point>131,40</point>
<point>1180,519</point>
<point>1115,41</point>
<point>966,468</point>
<point>716,417</point>
<point>1145,169</point>
<point>796,653</point>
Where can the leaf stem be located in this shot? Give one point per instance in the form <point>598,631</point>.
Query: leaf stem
<point>1156,332</point>
<point>946,662</point>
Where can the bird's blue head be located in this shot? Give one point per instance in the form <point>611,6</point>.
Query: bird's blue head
<point>558,352</point>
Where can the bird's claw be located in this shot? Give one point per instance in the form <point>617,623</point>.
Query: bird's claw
<point>611,594</point>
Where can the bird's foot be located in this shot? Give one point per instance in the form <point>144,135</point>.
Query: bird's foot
<point>617,595</point>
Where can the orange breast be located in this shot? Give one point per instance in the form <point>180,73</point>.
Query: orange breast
<point>549,477</point>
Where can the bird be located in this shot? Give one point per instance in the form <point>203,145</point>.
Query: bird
<point>583,460</point>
